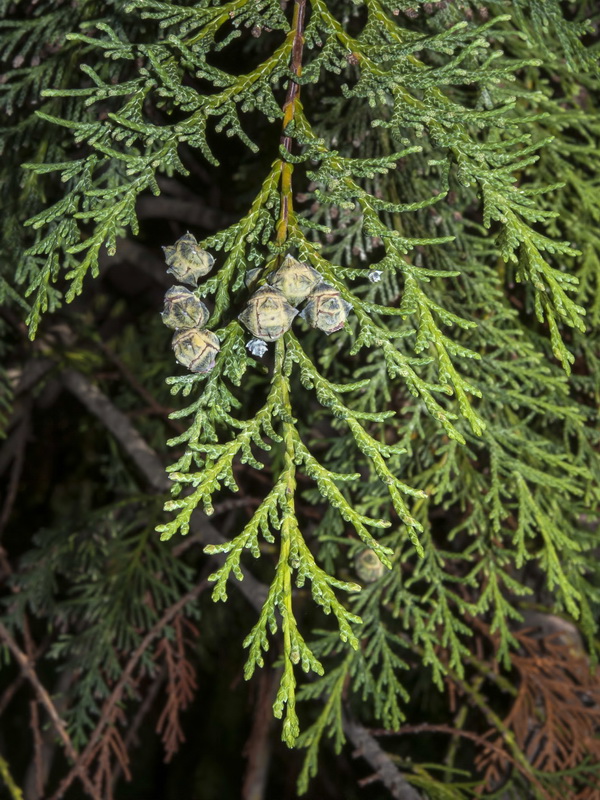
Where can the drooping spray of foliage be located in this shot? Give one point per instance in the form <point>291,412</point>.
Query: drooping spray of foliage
<point>436,164</point>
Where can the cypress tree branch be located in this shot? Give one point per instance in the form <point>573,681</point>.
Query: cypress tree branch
<point>420,459</point>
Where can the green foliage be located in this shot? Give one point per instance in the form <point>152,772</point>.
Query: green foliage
<point>438,168</point>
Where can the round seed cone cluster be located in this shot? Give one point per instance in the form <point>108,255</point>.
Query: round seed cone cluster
<point>272,308</point>
<point>195,347</point>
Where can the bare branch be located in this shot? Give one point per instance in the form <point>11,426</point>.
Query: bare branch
<point>37,765</point>
<point>131,738</point>
<point>48,743</point>
<point>258,747</point>
<point>121,428</point>
<point>386,770</point>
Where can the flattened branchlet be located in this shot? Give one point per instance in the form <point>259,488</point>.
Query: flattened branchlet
<point>183,309</point>
<point>196,349</point>
<point>326,309</point>
<point>268,315</point>
<point>295,280</point>
<point>187,261</point>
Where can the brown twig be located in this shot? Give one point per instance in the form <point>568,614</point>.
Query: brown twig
<point>131,738</point>
<point>48,743</point>
<point>14,687</point>
<point>45,699</point>
<point>37,748</point>
<point>293,90</point>
<point>426,727</point>
<point>289,110</point>
<point>16,472</point>
<point>5,567</point>
<point>10,692</point>
<point>112,702</point>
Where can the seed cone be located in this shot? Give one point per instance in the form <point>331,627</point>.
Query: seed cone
<point>268,314</point>
<point>196,349</point>
<point>326,309</point>
<point>187,261</point>
<point>295,280</point>
<point>368,566</point>
<point>183,309</point>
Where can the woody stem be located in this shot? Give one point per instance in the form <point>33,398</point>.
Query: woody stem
<point>289,109</point>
